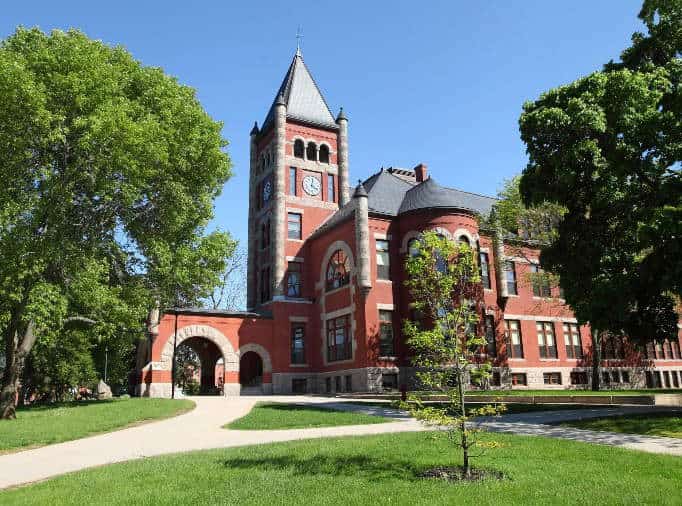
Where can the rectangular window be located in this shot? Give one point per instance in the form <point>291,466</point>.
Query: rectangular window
<point>540,282</point>
<point>659,350</point>
<point>331,193</point>
<point>292,180</point>
<point>383,260</point>
<point>485,270</point>
<point>294,279</point>
<point>519,378</point>
<point>338,339</point>
<point>667,350</point>
<point>337,383</point>
<point>298,343</point>
<point>349,383</point>
<point>265,285</point>
<point>293,225</point>
<point>676,382</point>
<point>546,342</point>
<point>514,342</point>
<point>551,378</point>
<point>574,347</point>
<point>299,385</point>
<point>386,346</point>
<point>389,381</point>
<point>626,376</point>
<point>675,348</point>
<point>491,341</point>
<point>666,379</point>
<point>495,379</point>
<point>510,277</point>
<point>578,378</point>
<point>606,377</point>
<point>328,385</point>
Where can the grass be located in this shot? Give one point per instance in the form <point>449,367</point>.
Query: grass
<point>54,423</point>
<point>269,416</point>
<point>661,424</point>
<point>511,407</point>
<point>374,470</point>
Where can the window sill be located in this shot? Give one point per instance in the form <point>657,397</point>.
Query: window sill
<point>387,281</point>
<point>517,359</point>
<point>294,240</point>
<point>388,358</point>
<point>299,365</point>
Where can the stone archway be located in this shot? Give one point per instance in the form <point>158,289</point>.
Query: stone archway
<point>255,369</point>
<point>189,334</point>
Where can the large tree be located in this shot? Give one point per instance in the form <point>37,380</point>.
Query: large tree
<point>104,162</point>
<point>607,148</point>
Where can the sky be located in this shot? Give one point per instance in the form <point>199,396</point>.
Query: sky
<point>441,83</point>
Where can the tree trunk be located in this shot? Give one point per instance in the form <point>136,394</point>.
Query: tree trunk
<point>596,360</point>
<point>462,428</point>
<point>18,344</point>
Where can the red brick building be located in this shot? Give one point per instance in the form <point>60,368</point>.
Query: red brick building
<point>325,264</point>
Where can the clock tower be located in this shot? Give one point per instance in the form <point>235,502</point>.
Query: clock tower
<point>298,178</point>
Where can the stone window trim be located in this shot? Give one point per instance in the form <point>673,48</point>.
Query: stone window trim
<point>381,236</point>
<point>331,249</point>
<point>298,319</point>
<point>385,306</point>
<point>412,234</point>
<point>464,232</point>
<point>296,259</point>
<point>545,318</point>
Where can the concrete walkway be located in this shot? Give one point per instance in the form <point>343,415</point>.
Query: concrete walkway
<point>200,429</point>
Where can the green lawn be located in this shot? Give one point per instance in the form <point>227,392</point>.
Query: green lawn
<point>374,470</point>
<point>651,425</point>
<point>54,423</point>
<point>269,416</point>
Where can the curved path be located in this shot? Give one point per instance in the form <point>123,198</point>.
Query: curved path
<point>200,429</point>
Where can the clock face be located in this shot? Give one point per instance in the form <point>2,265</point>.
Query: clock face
<point>311,185</point>
<point>267,191</point>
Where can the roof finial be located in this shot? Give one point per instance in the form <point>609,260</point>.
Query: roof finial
<point>299,36</point>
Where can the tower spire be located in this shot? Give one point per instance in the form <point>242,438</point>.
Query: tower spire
<point>299,36</point>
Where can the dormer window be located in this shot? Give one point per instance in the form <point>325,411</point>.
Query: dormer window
<point>299,148</point>
<point>324,153</point>
<point>311,151</point>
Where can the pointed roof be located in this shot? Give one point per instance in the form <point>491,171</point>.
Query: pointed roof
<point>300,93</point>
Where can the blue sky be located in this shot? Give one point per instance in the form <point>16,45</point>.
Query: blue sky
<point>435,82</point>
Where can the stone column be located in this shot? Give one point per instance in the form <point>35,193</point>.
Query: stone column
<point>498,247</point>
<point>251,276</point>
<point>362,239</point>
<point>278,223</point>
<point>342,158</point>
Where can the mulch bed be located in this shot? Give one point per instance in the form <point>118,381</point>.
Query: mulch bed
<point>456,474</point>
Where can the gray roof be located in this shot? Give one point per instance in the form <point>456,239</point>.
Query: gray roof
<point>302,97</point>
<point>391,195</point>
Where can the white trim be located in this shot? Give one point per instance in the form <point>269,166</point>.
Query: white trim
<point>298,319</point>
<point>484,250</point>
<point>296,259</point>
<point>385,307</point>
<point>539,318</point>
<point>464,232</point>
<point>295,210</point>
<point>521,260</point>
<point>381,236</point>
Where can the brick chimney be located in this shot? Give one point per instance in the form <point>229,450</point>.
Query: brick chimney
<point>421,173</point>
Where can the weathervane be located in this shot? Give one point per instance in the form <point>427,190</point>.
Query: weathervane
<point>299,36</point>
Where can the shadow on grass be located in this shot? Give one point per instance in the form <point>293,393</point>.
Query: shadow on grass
<point>320,465</point>
<point>44,406</point>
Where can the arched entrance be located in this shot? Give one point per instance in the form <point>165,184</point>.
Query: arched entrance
<point>196,367</point>
<point>251,370</point>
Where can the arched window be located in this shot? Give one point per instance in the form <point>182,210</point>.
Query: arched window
<point>298,148</point>
<point>324,153</point>
<point>311,151</point>
<point>441,261</point>
<point>338,270</point>
<point>464,240</point>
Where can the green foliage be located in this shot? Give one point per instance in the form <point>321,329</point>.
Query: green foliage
<point>444,283</point>
<point>109,172</point>
<point>537,223</point>
<point>607,148</point>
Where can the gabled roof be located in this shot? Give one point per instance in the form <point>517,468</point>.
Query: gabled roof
<point>391,195</point>
<point>302,97</point>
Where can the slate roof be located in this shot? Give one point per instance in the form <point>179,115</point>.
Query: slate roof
<point>302,97</point>
<point>391,195</point>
